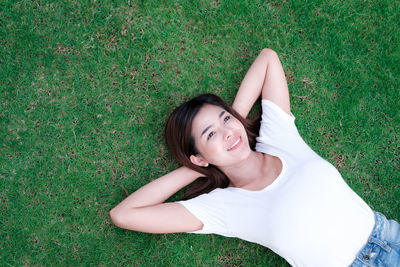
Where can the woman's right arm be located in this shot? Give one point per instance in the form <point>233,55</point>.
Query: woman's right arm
<point>145,210</point>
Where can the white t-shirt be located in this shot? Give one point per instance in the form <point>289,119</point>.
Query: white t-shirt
<point>308,215</point>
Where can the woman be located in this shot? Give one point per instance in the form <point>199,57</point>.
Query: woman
<point>281,195</point>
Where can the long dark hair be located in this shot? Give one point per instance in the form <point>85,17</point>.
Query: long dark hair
<point>180,142</point>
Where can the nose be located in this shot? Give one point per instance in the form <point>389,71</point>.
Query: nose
<point>228,133</point>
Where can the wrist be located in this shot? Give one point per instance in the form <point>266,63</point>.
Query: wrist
<point>190,175</point>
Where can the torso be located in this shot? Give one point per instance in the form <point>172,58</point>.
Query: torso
<point>297,204</point>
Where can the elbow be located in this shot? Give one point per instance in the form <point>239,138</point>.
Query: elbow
<point>124,218</point>
<point>269,52</point>
<point>116,216</point>
<point>270,56</point>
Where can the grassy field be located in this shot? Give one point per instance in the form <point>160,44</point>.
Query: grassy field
<point>86,86</point>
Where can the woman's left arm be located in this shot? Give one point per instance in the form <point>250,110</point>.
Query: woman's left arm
<point>265,77</point>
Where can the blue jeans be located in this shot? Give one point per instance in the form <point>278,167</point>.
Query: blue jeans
<point>383,247</point>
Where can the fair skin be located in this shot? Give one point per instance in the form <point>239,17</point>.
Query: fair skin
<point>222,141</point>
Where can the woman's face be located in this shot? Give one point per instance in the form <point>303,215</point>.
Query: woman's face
<point>219,137</point>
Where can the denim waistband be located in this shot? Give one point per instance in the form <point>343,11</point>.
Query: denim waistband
<point>380,221</point>
<point>375,243</point>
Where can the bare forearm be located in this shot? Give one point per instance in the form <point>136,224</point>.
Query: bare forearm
<point>145,211</point>
<point>252,85</point>
<point>160,190</point>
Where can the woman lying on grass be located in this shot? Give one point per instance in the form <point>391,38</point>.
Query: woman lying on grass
<point>265,186</point>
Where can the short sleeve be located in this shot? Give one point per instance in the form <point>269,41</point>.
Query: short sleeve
<point>277,127</point>
<point>209,209</point>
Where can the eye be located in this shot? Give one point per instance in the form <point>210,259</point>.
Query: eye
<point>227,118</point>
<point>211,134</point>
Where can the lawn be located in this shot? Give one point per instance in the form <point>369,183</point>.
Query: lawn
<point>86,86</point>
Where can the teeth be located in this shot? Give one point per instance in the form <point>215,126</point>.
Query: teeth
<point>237,142</point>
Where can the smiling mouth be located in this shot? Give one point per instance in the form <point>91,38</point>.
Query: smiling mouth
<point>237,143</point>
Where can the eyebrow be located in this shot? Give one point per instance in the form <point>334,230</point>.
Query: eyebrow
<point>206,129</point>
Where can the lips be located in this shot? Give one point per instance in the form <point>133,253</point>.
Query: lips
<point>235,144</point>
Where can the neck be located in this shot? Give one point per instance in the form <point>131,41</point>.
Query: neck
<point>247,171</point>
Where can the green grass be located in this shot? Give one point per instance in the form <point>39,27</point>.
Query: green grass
<point>86,86</point>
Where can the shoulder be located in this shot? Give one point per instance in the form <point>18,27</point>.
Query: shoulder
<point>210,209</point>
<point>271,111</point>
<point>213,201</point>
<point>214,195</point>
<point>277,127</point>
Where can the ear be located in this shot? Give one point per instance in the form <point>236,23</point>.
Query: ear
<point>198,160</point>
